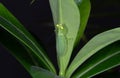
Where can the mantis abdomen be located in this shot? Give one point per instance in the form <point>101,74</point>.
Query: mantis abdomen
<point>61,40</point>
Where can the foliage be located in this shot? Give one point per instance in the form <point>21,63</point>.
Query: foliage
<point>70,17</point>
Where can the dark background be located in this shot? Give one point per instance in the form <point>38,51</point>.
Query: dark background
<point>37,18</point>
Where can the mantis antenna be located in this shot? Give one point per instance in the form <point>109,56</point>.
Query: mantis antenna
<point>32,1</point>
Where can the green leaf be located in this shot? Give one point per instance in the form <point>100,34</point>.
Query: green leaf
<point>103,60</point>
<point>66,16</point>
<point>14,27</point>
<point>94,45</point>
<point>38,72</point>
<point>16,49</point>
<point>84,8</point>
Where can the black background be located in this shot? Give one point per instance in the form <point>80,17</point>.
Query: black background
<point>37,18</point>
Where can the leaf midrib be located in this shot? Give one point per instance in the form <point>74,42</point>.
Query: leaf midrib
<point>106,58</point>
<point>83,58</point>
<point>60,12</point>
<point>35,46</point>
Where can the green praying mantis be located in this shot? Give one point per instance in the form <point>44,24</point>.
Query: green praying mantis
<point>61,39</point>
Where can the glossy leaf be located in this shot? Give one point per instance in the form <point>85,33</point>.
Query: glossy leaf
<point>84,8</point>
<point>66,14</point>
<point>93,46</point>
<point>103,60</point>
<point>14,27</point>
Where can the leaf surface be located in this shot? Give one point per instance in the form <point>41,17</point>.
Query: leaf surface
<point>16,49</point>
<point>14,27</point>
<point>93,46</point>
<point>84,8</point>
<point>103,60</point>
<point>38,72</point>
<point>66,15</point>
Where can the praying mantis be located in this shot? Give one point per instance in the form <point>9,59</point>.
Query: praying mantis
<point>61,39</point>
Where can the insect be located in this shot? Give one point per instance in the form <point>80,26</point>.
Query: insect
<point>61,39</point>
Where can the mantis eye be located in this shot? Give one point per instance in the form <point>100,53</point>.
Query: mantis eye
<point>59,26</point>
